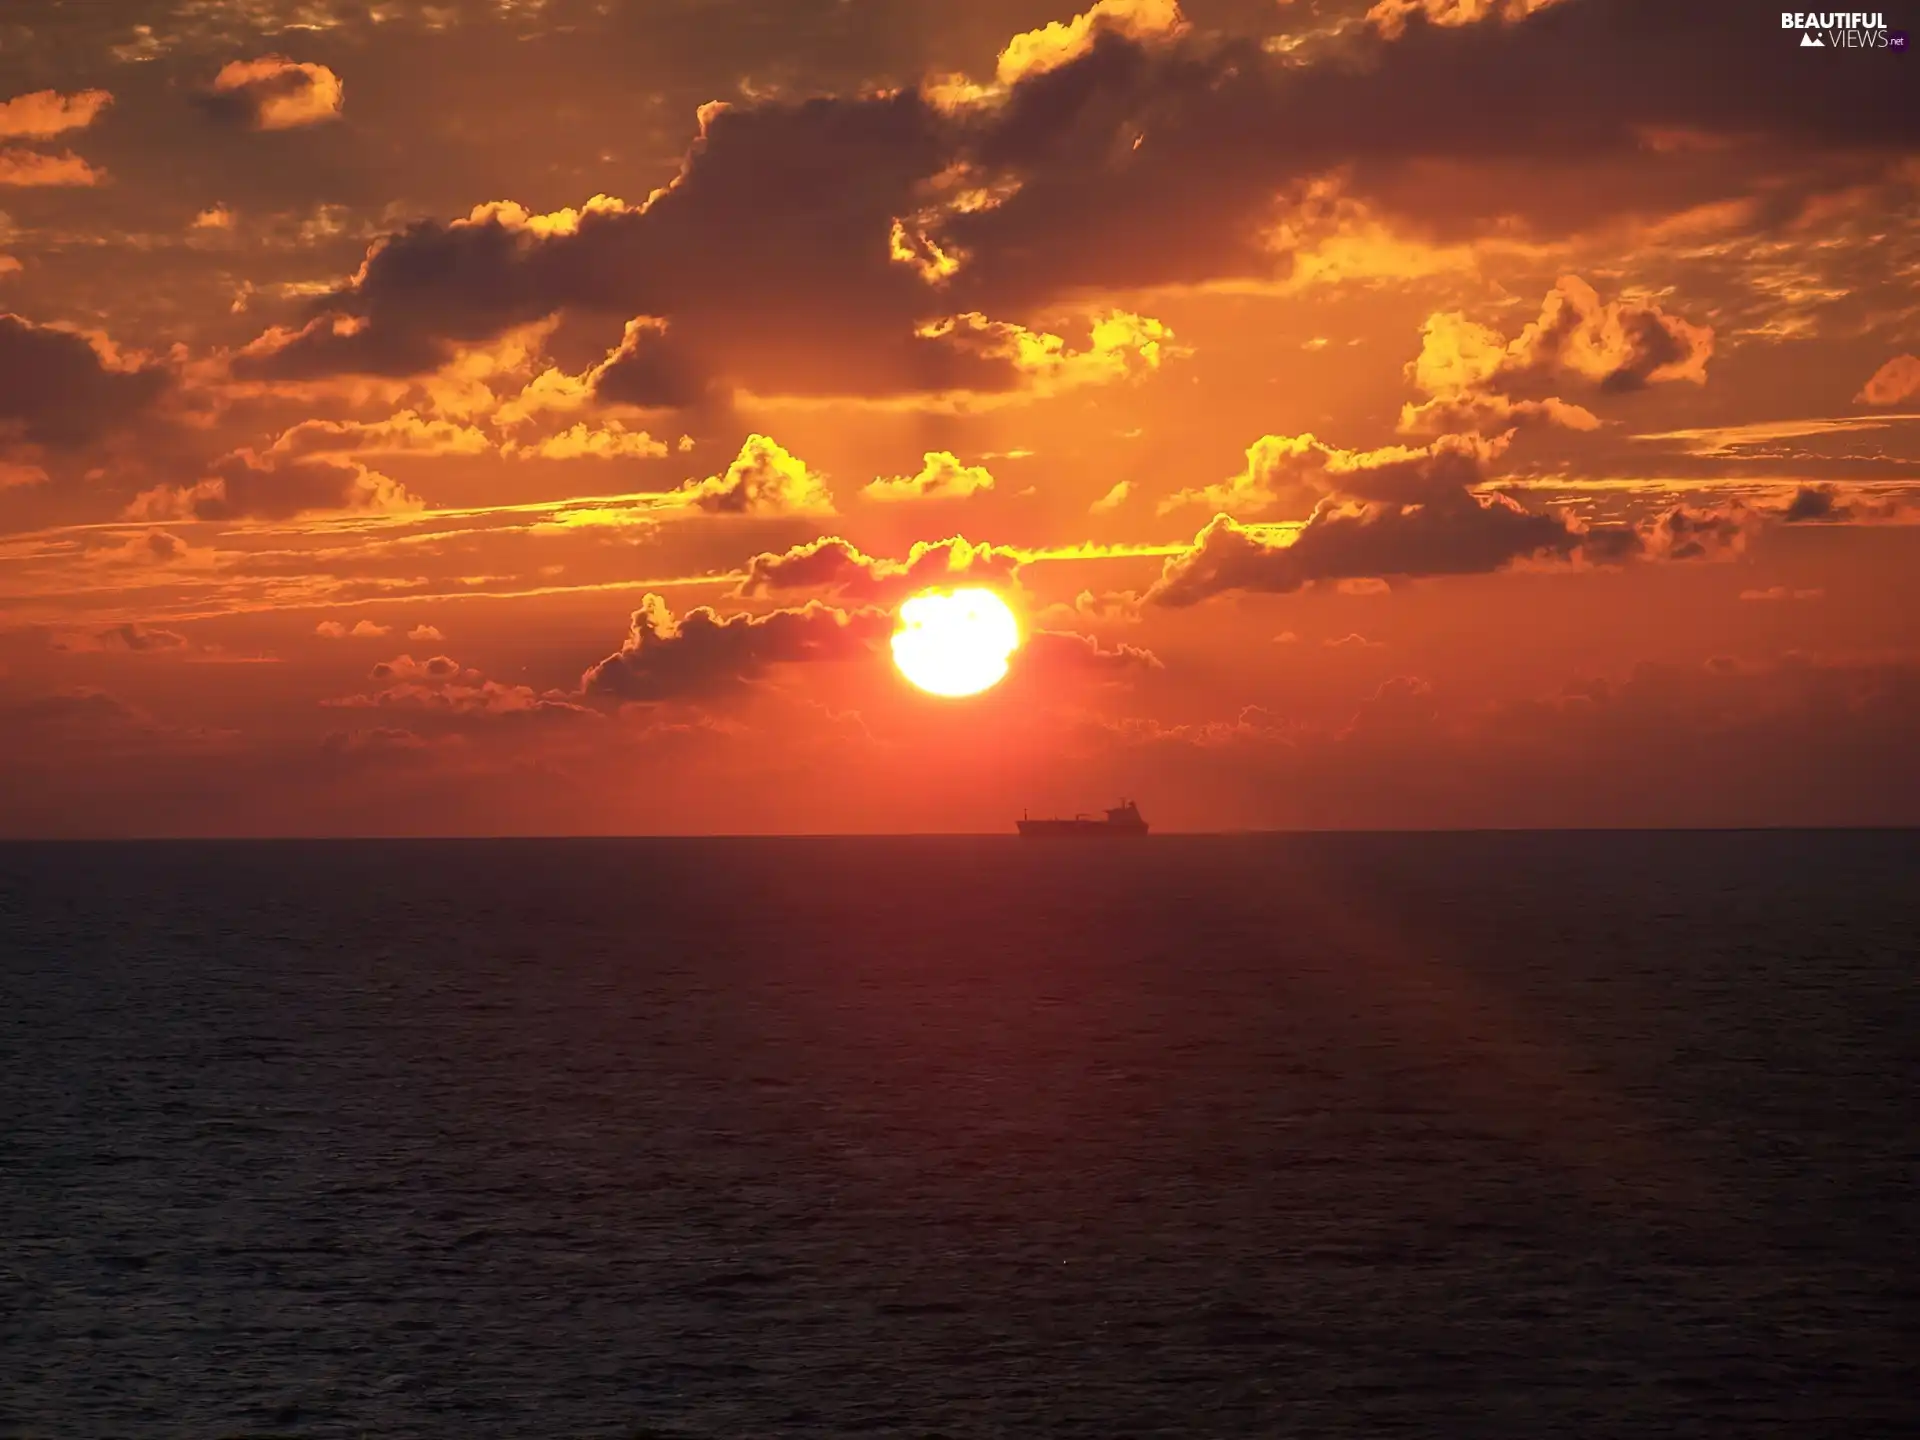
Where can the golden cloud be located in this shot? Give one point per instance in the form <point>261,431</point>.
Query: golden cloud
<point>1059,43</point>
<point>612,441</point>
<point>764,479</point>
<point>275,93</point>
<point>28,169</point>
<point>44,113</point>
<point>941,477</point>
<point>1897,380</point>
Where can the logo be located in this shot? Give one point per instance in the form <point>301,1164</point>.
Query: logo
<point>1843,30</point>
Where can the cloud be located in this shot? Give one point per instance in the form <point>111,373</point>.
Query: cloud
<point>244,484</point>
<point>1156,163</point>
<point>1120,152</point>
<point>1492,413</point>
<point>361,630</point>
<point>61,388</point>
<point>1292,473</point>
<point>1837,505</point>
<point>149,547</point>
<point>1781,592</point>
<point>790,301</point>
<point>650,369</point>
<point>1461,534</point>
<point>941,477</point>
<point>440,686</point>
<point>1391,16</point>
<point>1619,345</point>
<point>33,169</point>
<point>215,217</point>
<point>831,566</point>
<point>764,479</point>
<point>133,639</point>
<point>1612,346</point>
<point>1679,532</point>
<point>1893,382</point>
<point>1120,346</point>
<point>611,441</point>
<point>274,93</point>
<point>1400,511</point>
<point>1113,499</point>
<point>425,632</point>
<point>403,434</point>
<point>704,653</point>
<point>1069,653</point>
<point>1060,42</point>
<point>44,113</point>
<point>374,740</point>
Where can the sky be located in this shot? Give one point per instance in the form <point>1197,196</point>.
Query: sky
<point>528,416</point>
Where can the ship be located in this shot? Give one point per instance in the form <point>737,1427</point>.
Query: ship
<point>1123,819</point>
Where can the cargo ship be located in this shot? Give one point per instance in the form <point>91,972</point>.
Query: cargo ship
<point>1123,819</point>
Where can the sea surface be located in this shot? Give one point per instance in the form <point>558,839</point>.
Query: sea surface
<point>1528,1135</point>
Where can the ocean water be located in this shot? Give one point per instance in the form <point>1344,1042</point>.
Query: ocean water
<point>1423,1135</point>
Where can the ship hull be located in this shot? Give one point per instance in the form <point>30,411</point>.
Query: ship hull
<point>1077,829</point>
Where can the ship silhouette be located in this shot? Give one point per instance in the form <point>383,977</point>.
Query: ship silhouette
<point>1123,819</point>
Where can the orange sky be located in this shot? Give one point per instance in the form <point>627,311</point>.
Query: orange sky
<point>526,417</point>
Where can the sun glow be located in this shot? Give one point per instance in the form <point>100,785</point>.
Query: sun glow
<point>955,642</point>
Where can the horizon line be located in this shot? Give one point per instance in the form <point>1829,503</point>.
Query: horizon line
<point>246,837</point>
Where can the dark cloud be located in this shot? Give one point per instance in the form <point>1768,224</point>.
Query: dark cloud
<point>1695,532</point>
<point>405,667</point>
<point>273,93</point>
<point>703,653</point>
<point>273,487</point>
<point>441,687</point>
<point>1833,505</point>
<point>1464,534</point>
<point>154,547</point>
<point>832,566</point>
<point>650,369</point>
<point>807,242</point>
<point>1223,128</point>
<point>1293,473</point>
<point>1811,502</point>
<point>63,389</point>
<point>766,261</point>
<point>131,638</point>
<point>1682,531</point>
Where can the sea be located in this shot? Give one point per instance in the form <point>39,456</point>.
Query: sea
<point>1437,1135</point>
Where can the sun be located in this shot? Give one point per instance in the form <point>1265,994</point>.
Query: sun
<point>955,642</point>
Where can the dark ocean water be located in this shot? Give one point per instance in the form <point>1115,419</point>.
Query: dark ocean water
<point>1443,1135</point>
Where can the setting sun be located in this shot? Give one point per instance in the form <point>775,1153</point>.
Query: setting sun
<point>955,642</point>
